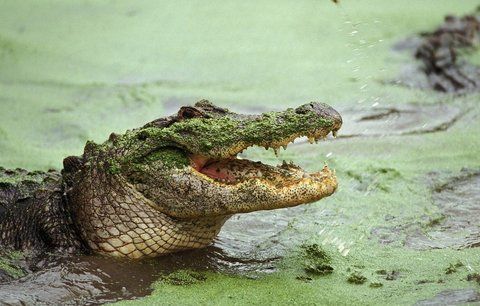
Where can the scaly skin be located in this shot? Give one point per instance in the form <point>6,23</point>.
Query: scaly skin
<point>33,215</point>
<point>167,186</point>
<point>440,50</point>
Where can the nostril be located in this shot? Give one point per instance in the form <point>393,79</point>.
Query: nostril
<point>312,107</point>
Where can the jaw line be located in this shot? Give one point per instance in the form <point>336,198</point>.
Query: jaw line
<point>199,161</point>
<point>261,194</point>
<point>278,177</point>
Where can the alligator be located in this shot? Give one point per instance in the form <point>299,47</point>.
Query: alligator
<point>439,52</point>
<point>165,187</point>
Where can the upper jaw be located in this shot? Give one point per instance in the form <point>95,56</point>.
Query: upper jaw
<point>224,167</point>
<point>226,136</point>
<point>313,135</point>
<point>232,170</point>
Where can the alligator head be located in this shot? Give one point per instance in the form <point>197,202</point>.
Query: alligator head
<point>171,184</point>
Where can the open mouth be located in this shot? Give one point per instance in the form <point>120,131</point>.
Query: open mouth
<point>235,170</point>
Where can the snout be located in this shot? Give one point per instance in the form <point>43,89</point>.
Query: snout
<point>323,111</point>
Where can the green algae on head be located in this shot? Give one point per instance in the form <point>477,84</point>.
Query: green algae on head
<point>171,184</point>
<point>216,132</point>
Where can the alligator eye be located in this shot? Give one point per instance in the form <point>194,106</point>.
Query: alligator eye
<point>188,112</point>
<point>143,135</point>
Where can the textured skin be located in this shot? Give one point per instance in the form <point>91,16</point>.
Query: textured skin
<point>440,51</point>
<point>121,222</point>
<point>33,215</point>
<point>146,193</point>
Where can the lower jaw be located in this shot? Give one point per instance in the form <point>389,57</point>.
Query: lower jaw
<point>233,171</point>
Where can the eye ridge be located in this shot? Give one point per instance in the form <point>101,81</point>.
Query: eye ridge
<point>188,112</point>
<point>143,135</point>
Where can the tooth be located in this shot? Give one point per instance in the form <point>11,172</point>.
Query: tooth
<point>284,146</point>
<point>334,134</point>
<point>276,151</point>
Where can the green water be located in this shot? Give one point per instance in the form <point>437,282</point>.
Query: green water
<point>77,71</point>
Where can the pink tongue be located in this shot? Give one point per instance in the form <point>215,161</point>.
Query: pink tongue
<point>218,171</point>
<point>198,161</point>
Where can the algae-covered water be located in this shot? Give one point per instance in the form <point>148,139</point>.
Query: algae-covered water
<point>402,228</point>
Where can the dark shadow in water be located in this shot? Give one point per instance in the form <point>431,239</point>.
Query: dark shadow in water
<point>455,225</point>
<point>452,297</point>
<point>95,279</point>
<point>398,120</point>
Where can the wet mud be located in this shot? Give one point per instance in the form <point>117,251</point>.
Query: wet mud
<point>441,66</point>
<point>453,225</point>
